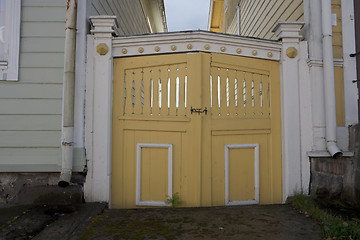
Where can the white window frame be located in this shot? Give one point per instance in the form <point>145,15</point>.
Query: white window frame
<point>9,69</point>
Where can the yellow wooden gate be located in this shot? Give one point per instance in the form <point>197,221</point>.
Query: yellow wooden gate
<point>203,125</point>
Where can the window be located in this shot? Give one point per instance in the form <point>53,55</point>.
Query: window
<point>9,39</point>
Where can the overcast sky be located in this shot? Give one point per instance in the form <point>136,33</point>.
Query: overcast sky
<point>186,14</point>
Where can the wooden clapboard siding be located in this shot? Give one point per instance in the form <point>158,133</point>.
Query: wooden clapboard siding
<point>30,106</point>
<point>14,155</point>
<point>42,29</point>
<point>30,123</point>
<point>30,109</point>
<point>25,139</point>
<point>10,90</point>
<point>258,18</point>
<point>130,14</point>
<point>42,44</point>
<point>41,75</point>
<point>35,60</point>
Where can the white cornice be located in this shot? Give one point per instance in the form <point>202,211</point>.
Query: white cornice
<point>195,41</point>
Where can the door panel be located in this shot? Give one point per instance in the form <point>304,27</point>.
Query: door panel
<point>153,174</point>
<point>241,174</point>
<point>221,116</point>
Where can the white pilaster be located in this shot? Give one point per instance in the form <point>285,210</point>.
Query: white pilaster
<point>348,37</point>
<point>99,109</point>
<point>289,33</point>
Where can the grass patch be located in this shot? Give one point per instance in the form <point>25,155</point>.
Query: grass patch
<point>334,227</point>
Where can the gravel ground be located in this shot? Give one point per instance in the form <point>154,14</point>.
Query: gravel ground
<point>240,222</point>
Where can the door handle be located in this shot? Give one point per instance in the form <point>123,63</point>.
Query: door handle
<point>199,110</point>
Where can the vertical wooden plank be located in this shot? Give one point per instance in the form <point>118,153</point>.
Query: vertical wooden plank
<point>137,97</point>
<point>215,103</point>
<point>256,79</point>
<point>240,97</point>
<point>164,74</point>
<point>206,166</point>
<point>181,75</point>
<point>232,107</point>
<point>191,166</point>
<point>128,92</point>
<point>218,174</point>
<point>248,101</point>
<point>223,93</point>
<point>266,98</point>
<point>173,76</point>
<point>147,93</point>
<point>156,79</point>
<point>129,169</point>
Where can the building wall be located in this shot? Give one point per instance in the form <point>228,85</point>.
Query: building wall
<point>258,18</point>
<point>30,109</point>
<point>130,14</point>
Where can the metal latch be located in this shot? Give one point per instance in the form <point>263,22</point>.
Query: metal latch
<point>199,110</point>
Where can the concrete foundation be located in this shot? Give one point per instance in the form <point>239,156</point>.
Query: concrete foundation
<point>338,178</point>
<point>39,189</point>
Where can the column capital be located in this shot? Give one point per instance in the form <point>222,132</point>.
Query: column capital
<point>104,26</point>
<point>288,30</point>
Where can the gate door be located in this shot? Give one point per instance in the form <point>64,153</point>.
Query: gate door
<point>203,125</point>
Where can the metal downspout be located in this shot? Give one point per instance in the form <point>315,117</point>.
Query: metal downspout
<point>67,132</point>
<point>329,84</point>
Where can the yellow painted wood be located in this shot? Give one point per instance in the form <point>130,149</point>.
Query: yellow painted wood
<point>266,96</point>
<point>223,92</point>
<point>172,78</point>
<point>232,98</point>
<point>190,186</point>
<point>206,166</point>
<point>181,74</point>
<point>217,15</point>
<point>214,95</point>
<point>137,98</point>
<point>337,30</point>
<point>147,94</point>
<point>156,78</point>
<point>241,174</point>
<point>339,96</point>
<point>198,140</point>
<point>256,96</point>
<point>154,174</point>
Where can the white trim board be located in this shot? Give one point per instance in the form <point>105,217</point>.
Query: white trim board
<point>195,41</point>
<point>138,173</point>
<point>256,165</point>
<point>9,69</point>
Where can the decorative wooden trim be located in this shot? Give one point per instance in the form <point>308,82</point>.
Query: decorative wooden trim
<point>138,173</point>
<point>10,70</point>
<point>256,162</point>
<point>195,41</point>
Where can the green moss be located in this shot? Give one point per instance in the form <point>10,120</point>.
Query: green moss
<point>90,230</point>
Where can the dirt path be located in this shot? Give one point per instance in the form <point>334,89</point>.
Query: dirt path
<point>241,222</point>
